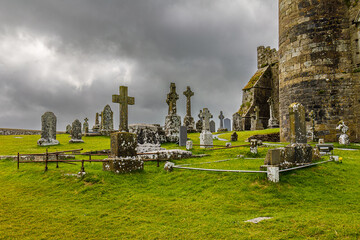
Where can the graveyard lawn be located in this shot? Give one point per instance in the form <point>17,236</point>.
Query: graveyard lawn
<point>321,202</point>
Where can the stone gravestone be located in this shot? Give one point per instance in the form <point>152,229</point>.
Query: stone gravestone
<point>123,157</point>
<point>68,129</point>
<point>273,122</point>
<point>344,138</point>
<point>86,126</point>
<point>234,137</point>
<point>212,126</point>
<point>199,123</point>
<point>183,136</point>
<point>96,127</point>
<point>189,145</point>
<point>254,146</point>
<point>76,136</point>
<point>188,119</point>
<point>206,138</point>
<point>107,121</point>
<point>172,120</point>
<point>256,123</point>
<point>227,124</point>
<point>221,128</point>
<point>48,130</point>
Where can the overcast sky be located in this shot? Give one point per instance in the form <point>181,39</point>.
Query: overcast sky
<point>71,56</point>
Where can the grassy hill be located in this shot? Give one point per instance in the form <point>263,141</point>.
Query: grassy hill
<point>321,202</point>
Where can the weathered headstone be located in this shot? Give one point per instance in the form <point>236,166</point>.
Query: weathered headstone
<point>344,138</point>
<point>188,119</point>
<point>86,126</point>
<point>256,123</point>
<point>182,136</point>
<point>311,131</point>
<point>107,121</point>
<point>221,128</point>
<point>76,136</point>
<point>199,123</point>
<point>254,146</point>
<point>68,129</point>
<point>172,120</point>
<point>48,130</point>
<point>234,137</point>
<point>96,127</point>
<point>212,126</point>
<point>189,145</point>
<point>206,138</point>
<point>124,100</point>
<point>273,122</point>
<point>227,124</point>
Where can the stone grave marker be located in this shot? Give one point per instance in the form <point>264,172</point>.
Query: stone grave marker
<point>189,145</point>
<point>206,138</point>
<point>182,136</point>
<point>86,126</point>
<point>76,136</point>
<point>172,120</point>
<point>124,100</point>
<point>48,130</point>
<point>188,119</point>
<point>107,121</point>
<point>227,124</point>
<point>344,138</point>
<point>68,129</point>
<point>212,126</point>
<point>96,127</point>
<point>273,122</point>
<point>234,137</point>
<point>256,123</point>
<point>221,128</point>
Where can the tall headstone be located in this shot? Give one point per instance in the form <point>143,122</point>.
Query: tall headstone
<point>344,138</point>
<point>199,123</point>
<point>48,130</point>
<point>183,136</point>
<point>221,128</point>
<point>212,126</point>
<point>68,129</point>
<point>96,127</point>
<point>188,119</point>
<point>124,100</point>
<point>76,136</point>
<point>227,124</point>
<point>172,120</point>
<point>273,122</point>
<point>107,121</point>
<point>206,138</point>
<point>297,123</point>
<point>256,123</point>
<point>86,126</point>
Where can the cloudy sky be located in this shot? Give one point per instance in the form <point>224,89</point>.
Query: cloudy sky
<point>70,56</point>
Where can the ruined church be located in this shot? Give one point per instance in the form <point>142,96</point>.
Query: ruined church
<point>317,65</point>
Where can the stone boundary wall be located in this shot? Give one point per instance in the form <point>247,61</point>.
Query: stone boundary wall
<point>13,131</point>
<point>272,137</point>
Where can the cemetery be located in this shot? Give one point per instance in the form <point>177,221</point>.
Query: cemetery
<point>285,165</point>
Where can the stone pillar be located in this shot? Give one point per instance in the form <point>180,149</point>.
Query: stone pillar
<point>297,123</point>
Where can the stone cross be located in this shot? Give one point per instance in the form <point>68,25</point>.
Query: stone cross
<point>188,94</point>
<point>86,125</point>
<point>172,97</point>
<point>271,104</point>
<point>101,120</point>
<point>221,117</point>
<point>206,115</point>
<point>256,111</point>
<point>97,119</point>
<point>124,100</point>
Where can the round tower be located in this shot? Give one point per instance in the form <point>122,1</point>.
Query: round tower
<point>315,67</point>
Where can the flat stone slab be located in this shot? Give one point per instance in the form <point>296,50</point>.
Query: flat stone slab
<point>257,220</point>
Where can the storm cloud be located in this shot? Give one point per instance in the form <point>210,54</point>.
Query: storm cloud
<point>70,56</point>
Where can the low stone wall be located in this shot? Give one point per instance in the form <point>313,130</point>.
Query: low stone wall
<point>13,131</point>
<point>36,158</point>
<point>272,137</point>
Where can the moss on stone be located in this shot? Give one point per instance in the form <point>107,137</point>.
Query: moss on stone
<point>255,78</point>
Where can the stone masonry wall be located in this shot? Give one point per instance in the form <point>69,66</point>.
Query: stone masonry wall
<point>315,67</point>
<point>12,131</point>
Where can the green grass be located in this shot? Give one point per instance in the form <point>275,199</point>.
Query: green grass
<point>321,202</point>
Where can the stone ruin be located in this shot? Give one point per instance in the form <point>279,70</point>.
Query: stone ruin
<point>149,137</point>
<point>107,121</point>
<point>344,138</point>
<point>298,152</point>
<point>172,120</point>
<point>188,119</point>
<point>206,138</point>
<point>48,130</point>
<point>76,135</point>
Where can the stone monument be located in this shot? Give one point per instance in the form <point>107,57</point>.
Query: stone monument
<point>206,138</point>
<point>172,120</point>
<point>188,119</point>
<point>183,136</point>
<point>221,128</point>
<point>48,130</point>
<point>86,126</point>
<point>227,124</point>
<point>344,138</point>
<point>273,122</point>
<point>124,100</point>
<point>96,127</point>
<point>234,137</point>
<point>256,123</point>
<point>107,121</point>
<point>212,126</point>
<point>199,123</point>
<point>76,136</point>
<point>68,129</point>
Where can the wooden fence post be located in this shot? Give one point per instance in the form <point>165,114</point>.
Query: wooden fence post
<point>18,161</point>
<point>57,158</point>
<point>46,160</point>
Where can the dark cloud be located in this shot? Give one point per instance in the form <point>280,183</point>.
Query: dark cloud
<point>70,56</point>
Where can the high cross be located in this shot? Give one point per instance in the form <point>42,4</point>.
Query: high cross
<point>172,97</point>
<point>124,100</point>
<point>221,117</point>
<point>188,94</point>
<point>206,115</point>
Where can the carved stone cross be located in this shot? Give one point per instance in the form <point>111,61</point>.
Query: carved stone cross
<point>256,111</point>
<point>97,119</point>
<point>221,117</point>
<point>188,94</point>
<point>86,119</point>
<point>124,100</point>
<point>172,97</point>
<point>206,115</point>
